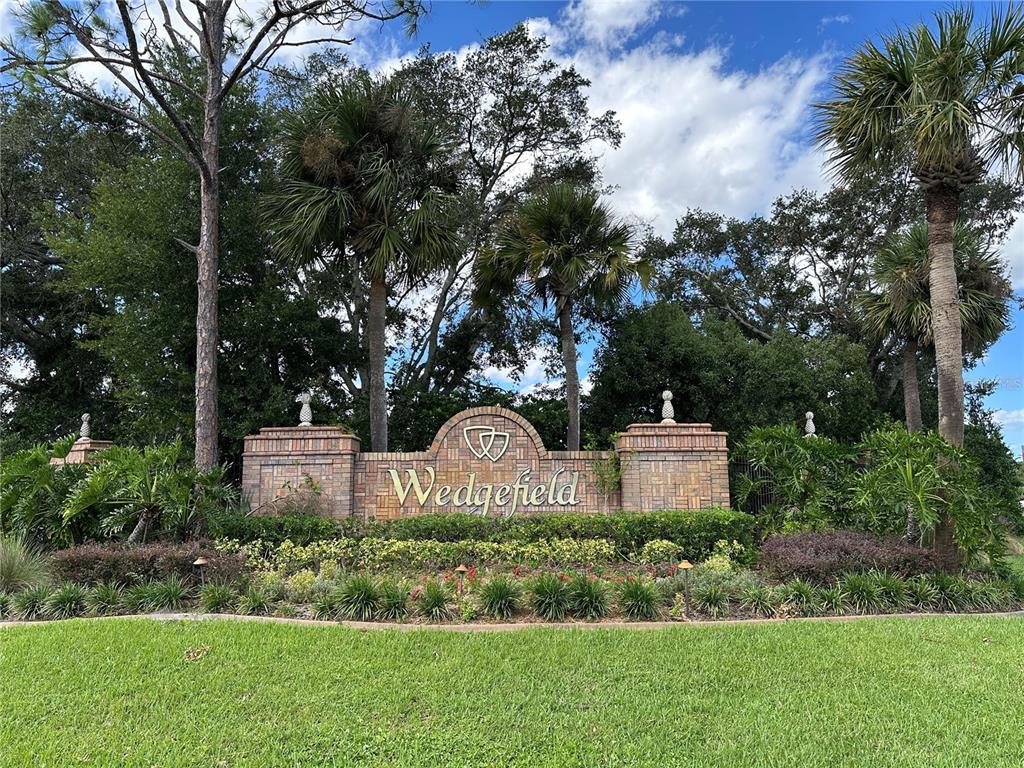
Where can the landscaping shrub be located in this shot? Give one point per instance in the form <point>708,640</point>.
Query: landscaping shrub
<point>639,599</point>
<point>300,529</point>
<point>824,557</point>
<point>104,599</point>
<point>832,600</point>
<point>658,551</point>
<point>921,593</point>
<point>20,566</point>
<point>216,597</point>
<point>394,601</point>
<point>952,592</point>
<point>801,596</point>
<point>169,594</point>
<point>325,605</point>
<point>695,531</point>
<point>588,598</point>
<point>549,597</point>
<point>862,592</point>
<point>760,599</point>
<point>254,602</point>
<point>358,597</point>
<point>30,603</point>
<point>66,602</point>
<point>892,591</point>
<point>90,564</point>
<point>500,597</point>
<point>140,598</point>
<point>711,599</point>
<point>435,601</point>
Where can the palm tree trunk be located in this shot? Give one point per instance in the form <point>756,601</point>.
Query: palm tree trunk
<point>941,208</point>
<point>911,394</point>
<point>378,395</point>
<point>572,376</point>
<point>207,256</point>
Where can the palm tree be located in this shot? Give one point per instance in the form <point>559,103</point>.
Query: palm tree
<point>365,185</point>
<point>949,104</point>
<point>899,304</point>
<point>567,250</point>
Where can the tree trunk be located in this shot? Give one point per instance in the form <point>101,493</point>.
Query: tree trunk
<point>378,353</point>
<point>911,395</point>
<point>572,376</point>
<point>941,207</point>
<point>207,255</point>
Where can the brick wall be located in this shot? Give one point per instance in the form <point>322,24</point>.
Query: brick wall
<point>488,458</point>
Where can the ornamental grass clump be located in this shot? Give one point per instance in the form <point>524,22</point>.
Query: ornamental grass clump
<point>862,592</point>
<point>5,604</point>
<point>760,599</point>
<point>588,598</point>
<point>104,599</point>
<point>952,592</point>
<point>435,601</point>
<point>30,603</point>
<point>639,599</point>
<point>140,598</point>
<point>833,600</point>
<point>921,594</point>
<point>169,594</point>
<point>325,605</point>
<point>66,602</point>
<point>254,602</point>
<point>800,596</point>
<point>394,601</point>
<point>500,597</point>
<point>21,567</point>
<point>892,591</point>
<point>216,597</point>
<point>358,597</point>
<point>711,599</point>
<point>549,597</point>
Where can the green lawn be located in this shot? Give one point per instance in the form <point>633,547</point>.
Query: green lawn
<point>927,692</point>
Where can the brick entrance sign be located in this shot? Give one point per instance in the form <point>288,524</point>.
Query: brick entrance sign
<point>489,461</point>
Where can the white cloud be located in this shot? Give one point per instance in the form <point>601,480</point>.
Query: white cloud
<point>609,23</point>
<point>826,20</point>
<point>697,134</point>
<point>1013,252</point>
<point>1011,418</point>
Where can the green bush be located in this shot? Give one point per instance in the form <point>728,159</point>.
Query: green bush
<point>216,597</point>
<point>892,591</point>
<point>325,605</point>
<point>588,598</point>
<point>30,603</point>
<point>169,594</point>
<point>394,601</point>
<point>66,602</point>
<point>921,593</point>
<point>300,529</point>
<point>712,599</point>
<point>105,599</point>
<point>358,597</point>
<point>549,597</point>
<point>952,592</point>
<point>694,531</point>
<point>833,600</point>
<point>435,601</point>
<point>759,598</point>
<point>639,599</point>
<point>800,596</point>
<point>500,597</point>
<point>21,567</point>
<point>862,592</point>
<point>254,602</point>
<point>140,598</point>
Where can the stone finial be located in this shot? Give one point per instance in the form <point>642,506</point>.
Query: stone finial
<point>667,411</point>
<point>809,424</point>
<point>305,413</point>
<point>84,431</point>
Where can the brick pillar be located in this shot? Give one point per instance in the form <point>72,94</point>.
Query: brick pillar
<point>673,466</point>
<point>82,451</point>
<point>278,460</point>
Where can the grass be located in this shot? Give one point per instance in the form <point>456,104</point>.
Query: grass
<point>941,691</point>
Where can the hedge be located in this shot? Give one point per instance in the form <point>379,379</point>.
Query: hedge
<point>300,529</point>
<point>825,557</point>
<point>118,563</point>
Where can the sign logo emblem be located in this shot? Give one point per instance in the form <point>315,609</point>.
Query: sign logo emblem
<point>484,441</point>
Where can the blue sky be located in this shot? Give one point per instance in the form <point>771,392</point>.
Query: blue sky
<point>713,97</point>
